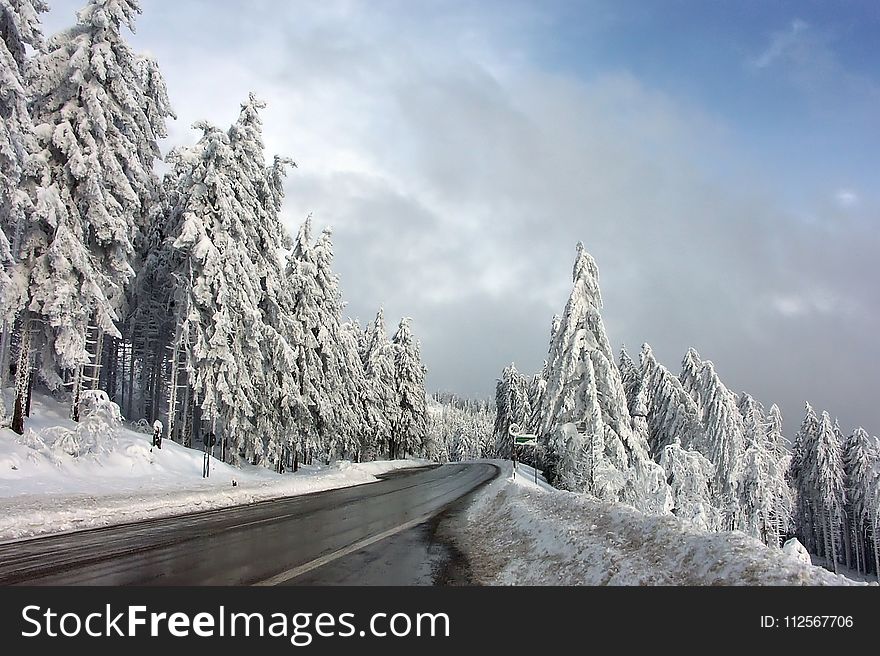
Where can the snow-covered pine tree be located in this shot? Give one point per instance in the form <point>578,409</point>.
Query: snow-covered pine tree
<point>261,192</point>
<point>314,418</point>
<point>784,495</point>
<point>872,510</point>
<point>690,476</point>
<point>829,488</point>
<point>537,385</point>
<point>631,376</point>
<point>19,30</point>
<point>354,419</point>
<point>765,498</point>
<point>585,423</point>
<point>691,377</point>
<point>803,461</point>
<point>97,121</point>
<point>635,388</point>
<point>723,441</point>
<point>859,462</point>
<point>464,426</point>
<point>411,424</point>
<point>151,323</point>
<point>378,361</point>
<point>341,387</point>
<point>845,524</point>
<point>512,406</point>
<point>671,412</point>
<point>233,299</point>
<point>219,302</point>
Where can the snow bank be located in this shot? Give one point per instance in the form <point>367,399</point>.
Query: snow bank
<point>519,533</point>
<point>44,489</point>
<point>794,549</point>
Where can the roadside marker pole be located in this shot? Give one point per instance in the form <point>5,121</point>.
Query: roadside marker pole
<point>524,439</point>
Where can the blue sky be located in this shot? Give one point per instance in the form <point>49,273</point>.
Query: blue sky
<point>796,82</point>
<point>718,159</point>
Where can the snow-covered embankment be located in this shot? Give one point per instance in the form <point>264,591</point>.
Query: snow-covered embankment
<point>520,533</point>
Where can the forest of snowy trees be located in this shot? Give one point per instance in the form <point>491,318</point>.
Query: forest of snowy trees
<point>184,299</point>
<point>460,429</point>
<point>635,432</point>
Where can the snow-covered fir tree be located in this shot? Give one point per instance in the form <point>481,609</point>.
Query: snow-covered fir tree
<point>803,459</point>
<point>765,498</point>
<point>691,377</point>
<point>410,423</point>
<point>343,371</point>
<point>331,419</point>
<point>513,405</point>
<point>872,510</point>
<point>354,420</point>
<point>462,429</point>
<point>233,302</point>
<point>690,477</point>
<point>19,31</point>
<point>723,440</point>
<point>860,459</point>
<point>585,422</point>
<point>636,389</point>
<point>784,497</point>
<point>829,488</point>
<point>671,412</point>
<point>382,410</point>
<point>313,414</point>
<point>97,120</point>
<point>219,304</point>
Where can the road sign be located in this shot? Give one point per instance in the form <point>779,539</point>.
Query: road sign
<point>520,438</point>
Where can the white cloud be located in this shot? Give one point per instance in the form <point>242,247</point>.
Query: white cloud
<point>846,198</point>
<point>458,176</point>
<point>782,44</point>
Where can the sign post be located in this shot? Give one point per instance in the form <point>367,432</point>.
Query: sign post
<point>522,439</point>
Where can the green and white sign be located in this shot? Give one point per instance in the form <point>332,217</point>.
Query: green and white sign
<point>520,438</point>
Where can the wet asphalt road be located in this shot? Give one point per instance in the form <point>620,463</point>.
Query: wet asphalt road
<point>348,536</point>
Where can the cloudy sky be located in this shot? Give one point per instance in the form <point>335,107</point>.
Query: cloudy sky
<point>720,160</point>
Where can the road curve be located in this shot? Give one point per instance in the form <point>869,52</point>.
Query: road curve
<point>270,542</point>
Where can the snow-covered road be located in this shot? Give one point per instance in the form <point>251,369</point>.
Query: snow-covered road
<point>271,543</point>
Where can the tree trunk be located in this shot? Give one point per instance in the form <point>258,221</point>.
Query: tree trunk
<point>5,340</point>
<point>185,421</point>
<point>858,549</point>
<point>122,357</point>
<point>77,388</point>
<point>30,389</point>
<point>876,545</point>
<point>832,534</point>
<point>847,541</point>
<point>172,391</point>
<point>22,380</point>
<point>130,379</point>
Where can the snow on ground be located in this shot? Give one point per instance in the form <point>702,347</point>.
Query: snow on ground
<point>44,490</point>
<point>520,533</point>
